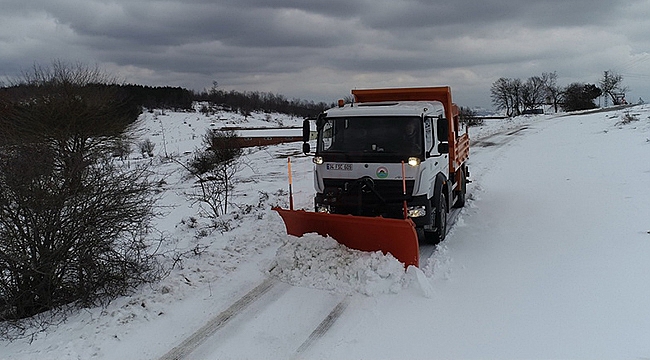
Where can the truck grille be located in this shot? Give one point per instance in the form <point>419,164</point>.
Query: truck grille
<point>357,197</point>
<point>390,190</point>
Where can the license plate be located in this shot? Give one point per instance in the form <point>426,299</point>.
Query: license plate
<point>339,167</point>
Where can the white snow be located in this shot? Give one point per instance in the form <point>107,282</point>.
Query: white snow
<point>549,258</point>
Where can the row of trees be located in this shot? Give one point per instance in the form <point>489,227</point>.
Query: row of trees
<point>517,97</point>
<point>247,102</point>
<point>156,97</point>
<point>180,99</point>
<point>137,96</point>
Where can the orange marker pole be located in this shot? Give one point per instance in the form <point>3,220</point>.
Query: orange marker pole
<point>290,185</point>
<point>404,190</point>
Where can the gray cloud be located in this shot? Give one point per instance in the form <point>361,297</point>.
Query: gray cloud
<point>320,50</point>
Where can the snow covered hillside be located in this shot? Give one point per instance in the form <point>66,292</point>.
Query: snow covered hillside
<point>549,259</point>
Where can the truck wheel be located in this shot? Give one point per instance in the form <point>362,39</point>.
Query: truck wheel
<point>439,220</point>
<point>460,194</point>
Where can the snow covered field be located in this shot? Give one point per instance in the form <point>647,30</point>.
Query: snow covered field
<point>549,259</point>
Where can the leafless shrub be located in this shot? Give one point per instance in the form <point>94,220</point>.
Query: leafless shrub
<point>627,118</point>
<point>214,169</point>
<point>73,221</point>
<point>469,117</point>
<point>122,149</point>
<point>146,147</point>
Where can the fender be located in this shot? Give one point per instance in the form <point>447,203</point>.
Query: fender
<point>439,185</point>
<point>442,180</point>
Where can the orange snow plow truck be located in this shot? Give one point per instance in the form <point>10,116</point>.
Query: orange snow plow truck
<point>388,168</point>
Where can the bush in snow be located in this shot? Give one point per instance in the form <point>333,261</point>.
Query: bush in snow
<point>146,148</point>
<point>215,169</point>
<point>73,220</point>
<point>628,118</point>
<point>579,96</point>
<point>122,149</point>
<point>468,117</point>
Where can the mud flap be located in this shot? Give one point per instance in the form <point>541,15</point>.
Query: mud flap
<point>395,236</point>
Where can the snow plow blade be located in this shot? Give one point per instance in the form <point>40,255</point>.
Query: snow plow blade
<point>395,236</point>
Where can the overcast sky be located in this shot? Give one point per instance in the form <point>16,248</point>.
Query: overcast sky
<point>319,50</point>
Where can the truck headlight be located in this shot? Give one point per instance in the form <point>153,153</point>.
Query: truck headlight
<point>416,211</point>
<point>323,209</point>
<point>413,161</point>
<point>317,160</point>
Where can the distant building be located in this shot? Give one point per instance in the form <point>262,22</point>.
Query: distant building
<point>266,136</point>
<point>533,112</point>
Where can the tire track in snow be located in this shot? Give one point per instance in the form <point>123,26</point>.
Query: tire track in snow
<point>216,323</point>
<point>325,325</point>
<point>498,139</point>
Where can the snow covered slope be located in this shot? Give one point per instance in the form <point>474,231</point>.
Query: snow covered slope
<point>547,260</point>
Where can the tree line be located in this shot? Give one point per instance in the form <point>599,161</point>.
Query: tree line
<point>246,102</point>
<point>181,99</point>
<point>249,101</point>
<point>516,97</point>
<point>136,96</point>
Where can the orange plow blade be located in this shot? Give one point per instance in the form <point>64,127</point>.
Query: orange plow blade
<point>395,236</point>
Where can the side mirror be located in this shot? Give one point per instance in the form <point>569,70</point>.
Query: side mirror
<point>306,130</point>
<point>306,134</point>
<point>443,130</point>
<point>443,148</point>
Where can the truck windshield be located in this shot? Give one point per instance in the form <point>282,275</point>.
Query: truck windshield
<point>354,135</point>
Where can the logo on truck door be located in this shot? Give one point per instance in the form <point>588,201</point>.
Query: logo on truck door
<point>382,172</point>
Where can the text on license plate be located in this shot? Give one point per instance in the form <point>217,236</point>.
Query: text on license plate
<point>339,167</point>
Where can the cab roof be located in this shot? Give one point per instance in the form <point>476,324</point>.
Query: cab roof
<point>389,108</point>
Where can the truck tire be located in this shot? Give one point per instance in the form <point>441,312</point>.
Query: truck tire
<point>461,193</point>
<point>439,220</point>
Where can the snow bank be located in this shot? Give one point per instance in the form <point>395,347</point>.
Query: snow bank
<point>322,263</point>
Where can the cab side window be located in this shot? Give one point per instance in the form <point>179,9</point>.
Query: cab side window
<point>428,135</point>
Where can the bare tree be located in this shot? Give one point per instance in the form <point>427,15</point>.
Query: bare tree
<point>533,93</point>
<point>73,220</point>
<point>506,95</point>
<point>553,91</point>
<point>515,93</point>
<point>612,85</point>
<point>500,95</point>
<point>468,117</point>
